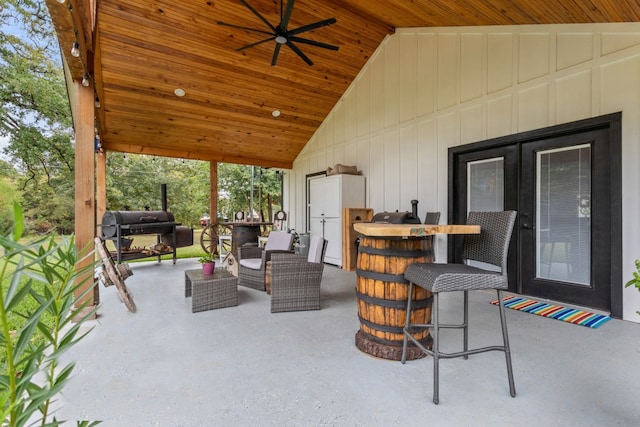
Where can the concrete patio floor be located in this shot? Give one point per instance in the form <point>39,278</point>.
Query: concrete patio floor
<point>240,366</point>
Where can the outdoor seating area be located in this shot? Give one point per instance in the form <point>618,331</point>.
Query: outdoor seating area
<point>240,365</point>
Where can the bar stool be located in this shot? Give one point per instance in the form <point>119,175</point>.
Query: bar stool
<point>490,246</point>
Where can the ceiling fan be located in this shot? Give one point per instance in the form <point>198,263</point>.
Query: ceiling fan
<point>282,35</point>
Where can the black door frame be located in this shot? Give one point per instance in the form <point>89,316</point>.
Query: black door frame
<point>457,208</point>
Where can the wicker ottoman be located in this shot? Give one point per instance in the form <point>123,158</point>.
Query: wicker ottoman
<point>217,290</point>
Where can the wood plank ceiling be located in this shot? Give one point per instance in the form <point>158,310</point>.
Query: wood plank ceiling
<point>142,50</point>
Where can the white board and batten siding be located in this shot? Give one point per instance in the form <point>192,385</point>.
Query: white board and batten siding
<point>427,89</point>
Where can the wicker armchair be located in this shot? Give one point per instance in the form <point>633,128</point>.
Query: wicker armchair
<point>252,260</point>
<point>295,279</point>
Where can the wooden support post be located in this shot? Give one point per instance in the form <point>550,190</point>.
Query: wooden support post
<point>213,191</point>
<point>101,188</point>
<point>85,220</point>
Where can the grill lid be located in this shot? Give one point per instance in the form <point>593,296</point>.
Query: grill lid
<point>396,218</point>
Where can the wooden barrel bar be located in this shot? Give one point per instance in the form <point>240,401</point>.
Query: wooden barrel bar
<point>243,233</point>
<point>381,292</point>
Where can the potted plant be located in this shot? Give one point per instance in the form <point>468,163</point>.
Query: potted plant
<point>208,263</point>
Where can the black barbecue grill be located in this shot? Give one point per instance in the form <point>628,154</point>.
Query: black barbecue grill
<point>117,225</point>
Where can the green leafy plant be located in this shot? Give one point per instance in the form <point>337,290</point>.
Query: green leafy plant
<point>43,270</point>
<point>636,279</point>
<point>206,258</point>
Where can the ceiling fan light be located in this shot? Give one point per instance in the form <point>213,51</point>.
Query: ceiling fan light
<point>75,50</point>
<point>281,39</point>
<point>85,80</point>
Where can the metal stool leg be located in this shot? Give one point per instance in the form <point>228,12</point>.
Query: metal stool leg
<point>507,348</point>
<point>407,325</point>
<point>465,327</point>
<point>436,349</point>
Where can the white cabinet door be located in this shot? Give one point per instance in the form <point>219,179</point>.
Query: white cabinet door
<point>333,234</point>
<point>316,197</point>
<point>332,194</point>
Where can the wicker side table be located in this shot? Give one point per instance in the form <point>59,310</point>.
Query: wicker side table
<point>208,292</point>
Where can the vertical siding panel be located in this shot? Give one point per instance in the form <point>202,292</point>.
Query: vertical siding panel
<point>338,120</point>
<point>428,165</point>
<point>573,97</point>
<point>407,80</point>
<point>408,166</point>
<point>351,114</point>
<point>350,155</point>
<point>533,108</point>
<point>376,98</point>
<point>391,165</point>
<point>471,66</point>
<point>426,78</point>
<point>364,164</point>
<point>376,176</point>
<point>471,124</point>
<point>500,61</point>
<point>391,99</point>
<point>447,82</point>
<point>534,56</point>
<point>499,116</point>
<point>364,101</point>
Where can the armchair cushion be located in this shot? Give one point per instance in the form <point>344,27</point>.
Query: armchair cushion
<point>279,240</point>
<point>316,249</point>
<point>252,263</point>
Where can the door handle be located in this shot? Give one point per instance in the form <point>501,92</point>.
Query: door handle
<point>526,226</point>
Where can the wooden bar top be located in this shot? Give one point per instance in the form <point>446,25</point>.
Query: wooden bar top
<point>412,230</point>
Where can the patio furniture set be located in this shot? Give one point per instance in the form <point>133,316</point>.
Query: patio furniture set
<point>293,280</point>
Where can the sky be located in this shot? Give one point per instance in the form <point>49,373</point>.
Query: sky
<point>4,141</point>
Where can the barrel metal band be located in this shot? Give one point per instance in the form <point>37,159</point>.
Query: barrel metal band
<point>401,304</point>
<point>398,278</point>
<point>403,253</point>
<point>382,328</point>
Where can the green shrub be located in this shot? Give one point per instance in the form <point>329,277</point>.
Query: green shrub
<point>39,320</point>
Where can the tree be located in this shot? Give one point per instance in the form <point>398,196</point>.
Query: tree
<point>134,183</point>
<point>34,112</point>
<point>234,182</point>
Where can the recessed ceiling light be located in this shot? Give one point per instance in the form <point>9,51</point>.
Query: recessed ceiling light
<point>179,92</point>
<point>275,113</point>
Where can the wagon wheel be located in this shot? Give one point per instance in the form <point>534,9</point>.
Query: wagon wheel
<point>209,239</point>
<point>113,276</point>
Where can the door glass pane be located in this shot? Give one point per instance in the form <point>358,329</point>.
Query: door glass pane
<point>563,220</point>
<point>485,185</point>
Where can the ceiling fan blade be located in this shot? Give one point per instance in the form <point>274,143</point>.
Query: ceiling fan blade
<point>287,13</point>
<point>255,44</point>
<point>299,52</point>
<point>255,12</point>
<point>313,43</point>
<point>313,26</point>
<point>276,51</point>
<point>243,28</point>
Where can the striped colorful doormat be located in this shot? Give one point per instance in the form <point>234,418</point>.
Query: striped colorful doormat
<point>558,312</point>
